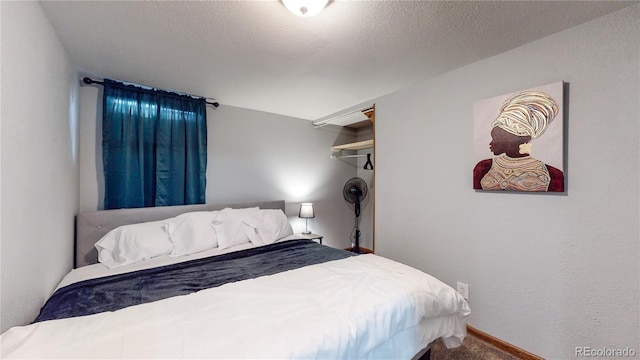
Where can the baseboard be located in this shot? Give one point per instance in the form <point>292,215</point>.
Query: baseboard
<point>502,345</point>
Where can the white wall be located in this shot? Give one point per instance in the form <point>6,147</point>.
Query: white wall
<point>547,273</point>
<point>257,155</point>
<point>39,162</point>
<point>252,155</point>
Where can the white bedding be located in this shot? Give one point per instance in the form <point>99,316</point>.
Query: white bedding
<point>359,307</point>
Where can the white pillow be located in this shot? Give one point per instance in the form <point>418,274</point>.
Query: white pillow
<point>231,228</point>
<point>269,225</point>
<point>192,232</point>
<point>132,243</point>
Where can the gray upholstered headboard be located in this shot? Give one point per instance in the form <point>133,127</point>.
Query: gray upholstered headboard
<point>91,226</point>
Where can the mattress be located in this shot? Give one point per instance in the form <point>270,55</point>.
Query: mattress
<point>356,307</point>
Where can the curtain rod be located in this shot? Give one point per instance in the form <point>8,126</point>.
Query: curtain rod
<point>90,81</point>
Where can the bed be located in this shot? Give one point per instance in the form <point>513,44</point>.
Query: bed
<point>260,292</point>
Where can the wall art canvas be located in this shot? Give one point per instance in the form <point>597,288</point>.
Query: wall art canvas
<point>518,141</point>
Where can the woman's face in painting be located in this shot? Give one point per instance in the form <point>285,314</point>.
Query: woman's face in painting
<point>504,142</point>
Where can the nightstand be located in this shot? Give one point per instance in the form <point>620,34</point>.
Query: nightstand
<point>310,237</point>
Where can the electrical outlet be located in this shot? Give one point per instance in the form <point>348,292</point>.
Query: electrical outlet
<point>463,289</point>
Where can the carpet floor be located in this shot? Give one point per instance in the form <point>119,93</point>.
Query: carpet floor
<point>472,349</point>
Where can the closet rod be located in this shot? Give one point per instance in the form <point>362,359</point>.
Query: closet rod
<point>347,156</point>
<point>90,81</point>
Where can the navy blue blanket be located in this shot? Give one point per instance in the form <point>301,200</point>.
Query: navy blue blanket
<point>119,291</point>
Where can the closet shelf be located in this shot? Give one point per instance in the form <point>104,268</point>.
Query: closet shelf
<point>360,145</point>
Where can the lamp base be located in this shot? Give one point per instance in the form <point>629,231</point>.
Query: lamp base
<point>306,227</point>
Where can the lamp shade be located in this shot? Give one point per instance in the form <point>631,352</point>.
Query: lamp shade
<point>306,211</point>
<point>305,8</point>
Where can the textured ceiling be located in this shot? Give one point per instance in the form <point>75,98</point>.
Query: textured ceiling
<point>257,55</point>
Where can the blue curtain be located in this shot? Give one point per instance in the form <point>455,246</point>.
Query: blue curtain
<point>154,146</point>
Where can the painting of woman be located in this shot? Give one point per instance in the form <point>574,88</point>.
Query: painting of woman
<point>522,117</point>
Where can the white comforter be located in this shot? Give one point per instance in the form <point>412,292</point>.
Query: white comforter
<point>360,307</point>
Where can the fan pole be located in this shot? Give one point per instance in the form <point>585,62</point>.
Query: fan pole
<point>356,247</point>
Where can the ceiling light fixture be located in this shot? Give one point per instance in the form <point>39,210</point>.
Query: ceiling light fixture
<point>305,8</point>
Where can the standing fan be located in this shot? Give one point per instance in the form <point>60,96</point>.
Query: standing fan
<point>355,190</point>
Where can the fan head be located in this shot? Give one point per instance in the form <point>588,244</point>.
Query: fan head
<point>355,190</point>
